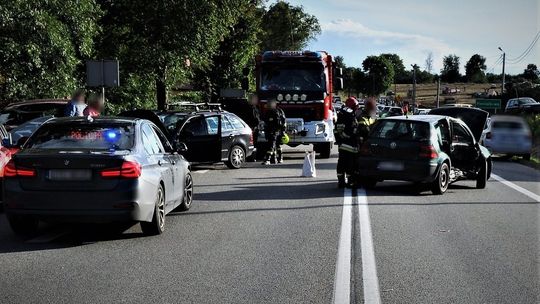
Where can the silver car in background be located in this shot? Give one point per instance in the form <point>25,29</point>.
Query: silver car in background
<point>509,135</point>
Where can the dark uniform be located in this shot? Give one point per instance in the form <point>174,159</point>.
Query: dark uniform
<point>364,121</point>
<point>345,134</point>
<point>274,127</point>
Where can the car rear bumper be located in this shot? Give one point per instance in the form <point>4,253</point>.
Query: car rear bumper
<point>413,170</point>
<point>78,206</point>
<point>510,148</point>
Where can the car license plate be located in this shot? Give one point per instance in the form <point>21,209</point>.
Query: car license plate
<point>391,166</point>
<point>70,174</point>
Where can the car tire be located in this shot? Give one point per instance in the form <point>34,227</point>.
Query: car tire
<point>527,156</point>
<point>157,225</point>
<point>23,225</point>
<point>324,150</point>
<point>237,157</point>
<point>482,177</point>
<point>440,184</point>
<point>187,198</point>
<point>368,183</point>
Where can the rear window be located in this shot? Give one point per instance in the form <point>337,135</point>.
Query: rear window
<point>507,125</point>
<point>401,130</point>
<point>92,137</point>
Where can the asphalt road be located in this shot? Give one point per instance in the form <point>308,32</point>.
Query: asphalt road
<point>266,235</point>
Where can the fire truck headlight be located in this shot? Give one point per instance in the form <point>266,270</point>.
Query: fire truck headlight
<point>280,97</point>
<point>320,128</point>
<point>288,97</point>
<point>295,97</point>
<point>303,97</point>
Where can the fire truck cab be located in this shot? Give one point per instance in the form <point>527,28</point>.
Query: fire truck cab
<point>303,84</point>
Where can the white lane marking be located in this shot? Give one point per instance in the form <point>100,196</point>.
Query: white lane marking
<point>342,282</point>
<point>201,171</point>
<point>528,193</point>
<point>369,267</point>
<point>47,237</point>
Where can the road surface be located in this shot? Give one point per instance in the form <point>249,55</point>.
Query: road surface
<point>266,235</point>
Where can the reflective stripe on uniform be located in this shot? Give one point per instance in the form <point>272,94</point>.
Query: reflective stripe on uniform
<point>348,148</point>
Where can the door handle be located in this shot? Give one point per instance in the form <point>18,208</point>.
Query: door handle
<point>160,163</point>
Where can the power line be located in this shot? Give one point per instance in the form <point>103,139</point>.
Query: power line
<point>497,63</point>
<point>527,50</point>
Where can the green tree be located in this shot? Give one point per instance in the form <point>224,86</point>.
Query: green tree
<point>379,75</point>
<point>43,46</point>
<point>400,74</point>
<point>531,72</point>
<point>158,41</point>
<point>450,71</point>
<point>475,69</point>
<point>236,52</point>
<point>288,27</point>
<point>339,62</point>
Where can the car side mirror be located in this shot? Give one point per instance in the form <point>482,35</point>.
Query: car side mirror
<point>181,148</point>
<point>22,141</point>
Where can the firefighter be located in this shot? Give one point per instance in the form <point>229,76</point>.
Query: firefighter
<point>274,128</point>
<point>366,119</point>
<point>344,133</point>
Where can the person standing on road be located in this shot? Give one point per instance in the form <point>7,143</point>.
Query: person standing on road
<point>76,105</point>
<point>274,128</point>
<point>95,106</point>
<point>254,121</point>
<point>366,119</point>
<point>346,139</point>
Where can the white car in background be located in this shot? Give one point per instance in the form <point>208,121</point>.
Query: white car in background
<point>509,135</point>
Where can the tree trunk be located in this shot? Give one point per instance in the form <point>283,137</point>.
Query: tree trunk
<point>161,91</point>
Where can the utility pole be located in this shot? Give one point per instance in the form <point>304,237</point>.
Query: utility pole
<point>438,90</point>
<point>414,66</point>
<point>503,73</point>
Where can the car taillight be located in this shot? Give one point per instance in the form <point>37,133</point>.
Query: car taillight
<point>10,170</point>
<point>488,135</point>
<point>129,169</point>
<point>364,150</point>
<point>428,152</point>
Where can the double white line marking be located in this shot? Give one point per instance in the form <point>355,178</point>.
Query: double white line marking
<point>342,283</point>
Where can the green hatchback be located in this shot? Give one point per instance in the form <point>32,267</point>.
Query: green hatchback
<point>433,149</point>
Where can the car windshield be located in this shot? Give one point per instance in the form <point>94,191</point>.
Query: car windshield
<point>401,130</point>
<point>293,78</point>
<point>28,128</point>
<point>173,120</point>
<point>92,137</point>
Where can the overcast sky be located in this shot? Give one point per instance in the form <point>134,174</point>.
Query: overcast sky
<point>413,28</point>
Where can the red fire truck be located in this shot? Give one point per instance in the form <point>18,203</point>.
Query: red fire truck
<point>303,83</point>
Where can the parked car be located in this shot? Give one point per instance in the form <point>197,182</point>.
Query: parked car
<point>510,135</point>
<point>96,170</point>
<point>433,149</point>
<point>422,111</point>
<point>18,113</point>
<point>522,105</point>
<point>5,156</point>
<point>210,136</point>
<point>392,111</point>
<point>457,105</point>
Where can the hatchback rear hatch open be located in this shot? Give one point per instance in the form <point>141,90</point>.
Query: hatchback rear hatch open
<point>474,118</point>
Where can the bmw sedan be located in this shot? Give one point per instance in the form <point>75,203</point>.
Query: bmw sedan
<point>96,170</point>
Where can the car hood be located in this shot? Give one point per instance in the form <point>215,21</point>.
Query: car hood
<point>148,115</point>
<point>474,118</point>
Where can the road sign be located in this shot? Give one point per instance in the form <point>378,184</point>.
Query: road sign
<point>488,104</point>
<point>102,73</point>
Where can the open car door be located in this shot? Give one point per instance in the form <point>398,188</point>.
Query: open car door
<point>151,116</point>
<point>202,136</point>
<point>474,118</point>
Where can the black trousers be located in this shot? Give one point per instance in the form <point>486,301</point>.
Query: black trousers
<point>347,163</point>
